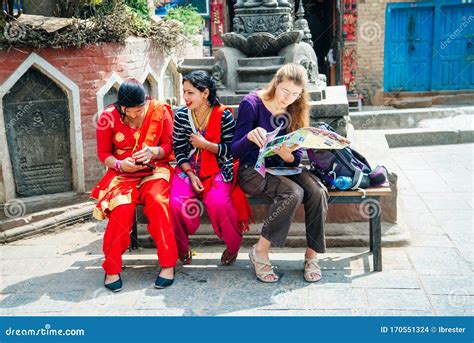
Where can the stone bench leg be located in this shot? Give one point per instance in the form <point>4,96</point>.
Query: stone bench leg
<point>376,233</point>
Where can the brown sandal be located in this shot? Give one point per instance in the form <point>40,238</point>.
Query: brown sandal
<point>228,259</point>
<point>186,258</point>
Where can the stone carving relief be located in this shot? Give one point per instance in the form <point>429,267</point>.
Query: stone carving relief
<point>258,3</point>
<point>261,24</point>
<point>285,24</point>
<point>309,65</point>
<point>238,25</point>
<point>218,73</point>
<point>38,119</point>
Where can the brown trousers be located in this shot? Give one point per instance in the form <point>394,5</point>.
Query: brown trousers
<point>287,194</point>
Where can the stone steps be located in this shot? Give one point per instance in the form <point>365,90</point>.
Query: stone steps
<point>337,235</point>
<point>258,82</point>
<point>261,61</point>
<point>422,127</point>
<point>21,207</point>
<point>191,64</point>
<point>427,136</point>
<point>254,71</point>
<point>315,95</point>
<point>44,221</point>
<point>412,103</point>
<point>333,105</point>
<point>426,99</point>
<point>386,118</point>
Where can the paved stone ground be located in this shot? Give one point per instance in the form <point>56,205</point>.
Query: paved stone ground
<point>60,273</point>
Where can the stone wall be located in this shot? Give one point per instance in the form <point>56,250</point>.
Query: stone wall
<point>93,70</point>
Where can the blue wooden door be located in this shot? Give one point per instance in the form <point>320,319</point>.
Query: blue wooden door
<point>408,48</point>
<point>453,52</point>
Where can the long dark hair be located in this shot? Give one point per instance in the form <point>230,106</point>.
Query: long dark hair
<point>202,81</point>
<point>130,94</point>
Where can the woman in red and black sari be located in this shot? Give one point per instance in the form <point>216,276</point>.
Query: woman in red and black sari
<point>134,142</point>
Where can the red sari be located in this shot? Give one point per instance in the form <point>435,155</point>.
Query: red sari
<point>118,193</point>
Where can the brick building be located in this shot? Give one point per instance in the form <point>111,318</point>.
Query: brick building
<point>423,46</point>
<point>379,47</point>
<point>61,93</point>
<point>387,46</point>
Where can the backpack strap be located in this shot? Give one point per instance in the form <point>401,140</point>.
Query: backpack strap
<point>332,173</point>
<point>357,179</point>
<point>360,180</point>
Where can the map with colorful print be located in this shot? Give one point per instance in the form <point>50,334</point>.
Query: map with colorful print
<point>304,138</point>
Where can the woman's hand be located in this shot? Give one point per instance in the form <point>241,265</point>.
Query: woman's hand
<point>195,182</point>
<point>257,136</point>
<point>128,165</point>
<point>285,152</point>
<point>144,156</point>
<point>198,141</point>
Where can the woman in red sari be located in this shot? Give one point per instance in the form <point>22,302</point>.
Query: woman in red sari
<point>134,142</point>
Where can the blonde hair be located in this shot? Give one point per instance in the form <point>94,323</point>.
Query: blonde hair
<point>299,109</point>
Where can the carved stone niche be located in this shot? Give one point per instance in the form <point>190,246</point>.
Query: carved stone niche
<point>111,96</point>
<point>36,114</point>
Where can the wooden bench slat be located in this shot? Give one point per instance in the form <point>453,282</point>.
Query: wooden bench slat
<point>375,191</point>
<point>370,192</point>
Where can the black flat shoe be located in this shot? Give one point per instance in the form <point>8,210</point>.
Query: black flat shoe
<point>162,282</point>
<point>115,286</point>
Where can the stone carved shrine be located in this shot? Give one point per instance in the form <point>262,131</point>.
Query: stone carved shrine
<point>38,119</point>
<point>265,36</point>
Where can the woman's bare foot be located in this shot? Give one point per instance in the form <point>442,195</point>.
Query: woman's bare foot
<point>167,273</point>
<point>111,278</point>
<point>310,253</point>
<point>312,271</point>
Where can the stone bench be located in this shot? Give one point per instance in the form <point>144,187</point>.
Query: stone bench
<point>370,198</point>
